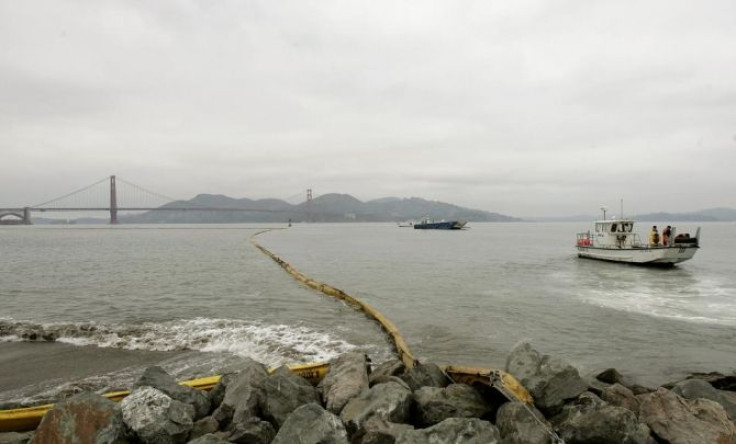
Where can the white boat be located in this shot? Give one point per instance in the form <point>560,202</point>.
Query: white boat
<point>614,240</point>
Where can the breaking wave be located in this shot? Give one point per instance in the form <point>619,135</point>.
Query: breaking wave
<point>273,344</point>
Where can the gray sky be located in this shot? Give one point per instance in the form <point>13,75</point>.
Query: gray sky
<point>519,107</point>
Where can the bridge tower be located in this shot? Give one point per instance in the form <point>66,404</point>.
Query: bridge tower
<point>309,205</point>
<point>27,216</point>
<point>113,202</point>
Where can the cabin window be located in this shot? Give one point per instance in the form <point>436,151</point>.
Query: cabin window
<point>613,228</point>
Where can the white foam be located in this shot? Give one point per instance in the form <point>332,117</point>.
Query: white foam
<point>272,344</point>
<point>703,306</point>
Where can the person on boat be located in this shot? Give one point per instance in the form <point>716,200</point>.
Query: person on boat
<point>666,233</point>
<point>654,236</point>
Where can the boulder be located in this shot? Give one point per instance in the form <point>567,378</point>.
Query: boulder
<point>156,418</point>
<point>435,404</point>
<point>676,420</point>
<point>393,367</point>
<point>610,376</point>
<point>286,391</point>
<point>719,381</point>
<point>379,431</point>
<point>698,388</point>
<point>252,431</point>
<point>347,377</point>
<point>157,378</point>
<point>620,396</point>
<point>590,419</point>
<point>425,375</point>
<point>640,389</point>
<point>311,424</point>
<point>595,386</point>
<point>385,379</point>
<point>455,431</point>
<point>549,380</point>
<point>203,427</point>
<point>86,417</point>
<point>390,402</point>
<point>245,393</point>
<point>15,438</point>
<point>209,438</point>
<point>520,423</point>
<point>217,394</point>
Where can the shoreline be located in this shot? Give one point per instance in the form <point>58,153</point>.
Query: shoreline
<point>25,364</point>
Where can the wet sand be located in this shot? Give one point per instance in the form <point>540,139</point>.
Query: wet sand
<point>30,363</point>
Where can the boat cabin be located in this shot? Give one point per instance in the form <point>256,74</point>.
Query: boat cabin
<point>611,233</point>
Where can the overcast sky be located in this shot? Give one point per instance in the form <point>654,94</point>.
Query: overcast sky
<point>519,107</point>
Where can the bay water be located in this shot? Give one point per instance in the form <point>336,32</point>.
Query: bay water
<point>200,299</point>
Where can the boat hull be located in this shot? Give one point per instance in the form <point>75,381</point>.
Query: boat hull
<point>644,256</point>
<point>446,225</point>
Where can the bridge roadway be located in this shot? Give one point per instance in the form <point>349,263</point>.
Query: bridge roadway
<point>23,215</point>
<point>41,210</point>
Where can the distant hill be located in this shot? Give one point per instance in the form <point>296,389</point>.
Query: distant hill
<point>709,215</point>
<point>325,208</point>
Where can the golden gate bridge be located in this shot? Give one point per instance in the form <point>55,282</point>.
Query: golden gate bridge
<point>121,195</point>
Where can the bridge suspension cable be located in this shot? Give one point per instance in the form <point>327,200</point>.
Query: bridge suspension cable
<point>132,195</point>
<point>77,192</point>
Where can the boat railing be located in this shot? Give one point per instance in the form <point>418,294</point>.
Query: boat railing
<point>584,239</point>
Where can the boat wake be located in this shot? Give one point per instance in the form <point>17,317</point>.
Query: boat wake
<point>710,306</point>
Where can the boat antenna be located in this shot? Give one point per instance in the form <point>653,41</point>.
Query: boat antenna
<point>603,208</point>
<point>622,208</point>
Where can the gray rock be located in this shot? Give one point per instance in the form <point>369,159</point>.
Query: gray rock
<point>719,381</point>
<point>15,438</point>
<point>520,423</point>
<point>217,394</point>
<point>245,393</point>
<point>210,438</point>
<point>156,418</point>
<point>676,420</point>
<point>86,417</point>
<point>640,389</point>
<point>455,431</point>
<point>596,386</point>
<point>311,424</point>
<point>252,431</point>
<point>378,431</point>
<point>346,379</point>
<point>620,396</point>
<point>203,427</point>
<point>698,388</point>
<point>549,380</point>
<point>610,376</point>
<point>590,419</point>
<point>425,375</point>
<point>434,404</point>
<point>286,391</point>
<point>390,402</point>
<point>729,396</point>
<point>385,379</point>
<point>393,367</point>
<point>157,378</point>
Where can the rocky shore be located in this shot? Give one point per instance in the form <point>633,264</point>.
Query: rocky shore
<point>361,403</point>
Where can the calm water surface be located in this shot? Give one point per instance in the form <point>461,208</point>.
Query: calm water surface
<point>208,296</point>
